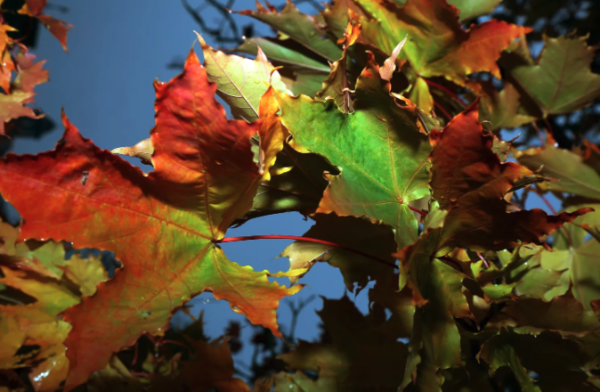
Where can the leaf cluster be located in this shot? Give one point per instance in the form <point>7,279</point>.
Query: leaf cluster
<point>369,117</point>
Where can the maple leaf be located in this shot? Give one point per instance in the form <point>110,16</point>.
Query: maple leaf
<point>5,40</point>
<point>7,66</point>
<point>12,107</point>
<point>469,180</point>
<point>217,368</point>
<point>437,44</point>
<point>36,7</point>
<point>372,361</point>
<point>337,15</point>
<point>41,272</point>
<point>240,81</point>
<point>283,52</point>
<point>560,79</point>
<point>470,9</point>
<point>574,175</point>
<point>297,184</point>
<point>564,315</point>
<point>298,26</point>
<point>381,154</point>
<point>581,253</point>
<point>435,343</point>
<point>538,273</point>
<point>502,109</point>
<point>30,73</point>
<point>337,86</point>
<point>498,352</point>
<point>57,28</point>
<point>204,178</point>
<point>301,73</point>
<point>358,234</point>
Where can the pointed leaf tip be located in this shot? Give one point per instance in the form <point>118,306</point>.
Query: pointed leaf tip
<point>389,66</point>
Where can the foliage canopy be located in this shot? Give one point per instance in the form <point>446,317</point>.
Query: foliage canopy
<point>380,120</point>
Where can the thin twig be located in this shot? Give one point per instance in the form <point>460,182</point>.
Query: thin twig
<point>215,33</point>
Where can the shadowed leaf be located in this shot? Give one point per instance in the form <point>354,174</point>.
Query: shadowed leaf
<point>356,233</point>
<point>342,366</point>
<point>469,180</point>
<point>299,27</point>
<point>560,80</point>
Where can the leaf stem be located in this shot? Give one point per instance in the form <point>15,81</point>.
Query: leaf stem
<point>483,259</point>
<point>549,127</point>
<point>539,133</point>
<point>441,109</point>
<point>418,211</point>
<point>307,239</point>
<point>444,89</point>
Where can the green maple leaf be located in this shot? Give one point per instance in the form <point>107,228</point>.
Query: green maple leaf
<point>470,9</point>
<point>582,256</point>
<point>299,27</point>
<point>435,342</point>
<point>240,81</point>
<point>499,352</point>
<point>574,174</point>
<point>560,80</point>
<point>437,44</point>
<point>282,52</point>
<point>502,108</point>
<point>379,150</point>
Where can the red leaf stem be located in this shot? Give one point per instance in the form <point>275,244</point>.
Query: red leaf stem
<point>549,127</point>
<point>441,109</point>
<point>418,211</point>
<point>444,89</point>
<point>307,239</point>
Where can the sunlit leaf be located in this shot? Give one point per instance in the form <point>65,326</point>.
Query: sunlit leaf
<point>240,81</point>
<point>470,9</point>
<point>381,154</point>
<point>437,44</point>
<point>204,178</point>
